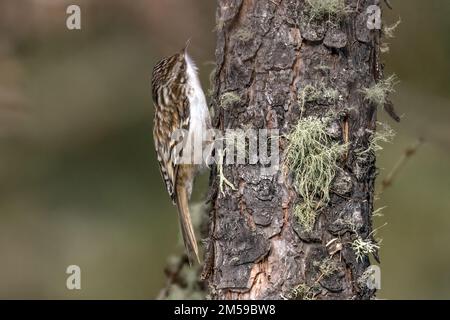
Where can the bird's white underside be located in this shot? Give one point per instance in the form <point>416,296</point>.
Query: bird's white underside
<point>198,109</point>
<point>197,101</point>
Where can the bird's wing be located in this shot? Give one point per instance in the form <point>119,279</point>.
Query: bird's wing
<point>169,140</point>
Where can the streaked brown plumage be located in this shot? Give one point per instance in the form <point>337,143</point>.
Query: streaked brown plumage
<point>179,104</point>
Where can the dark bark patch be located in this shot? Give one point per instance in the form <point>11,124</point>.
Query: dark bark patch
<point>266,212</point>
<point>245,45</point>
<point>234,277</point>
<point>333,282</point>
<point>277,95</point>
<point>239,246</point>
<point>315,255</point>
<point>313,31</point>
<point>262,15</point>
<point>229,9</point>
<point>363,34</point>
<point>344,217</point>
<point>342,183</point>
<point>335,39</point>
<point>239,74</point>
<point>291,11</point>
<point>277,55</point>
<point>305,235</point>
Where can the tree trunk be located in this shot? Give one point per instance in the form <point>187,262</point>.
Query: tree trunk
<point>282,61</point>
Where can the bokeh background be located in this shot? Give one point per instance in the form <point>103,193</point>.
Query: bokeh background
<point>79,181</point>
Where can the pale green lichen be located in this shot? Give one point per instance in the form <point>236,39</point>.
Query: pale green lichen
<point>364,247</point>
<point>315,93</point>
<point>388,31</point>
<point>378,212</point>
<point>243,34</point>
<point>306,216</point>
<point>222,179</point>
<point>303,292</point>
<point>322,67</point>
<point>384,134</point>
<point>384,47</point>
<point>327,267</point>
<point>379,92</point>
<point>330,94</point>
<point>309,93</point>
<point>212,74</point>
<point>219,25</point>
<point>312,156</point>
<point>228,99</point>
<point>333,10</point>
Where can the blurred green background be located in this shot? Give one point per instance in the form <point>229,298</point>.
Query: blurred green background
<point>80,184</point>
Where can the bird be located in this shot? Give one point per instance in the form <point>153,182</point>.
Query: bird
<point>180,106</point>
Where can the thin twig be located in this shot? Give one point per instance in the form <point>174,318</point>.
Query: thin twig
<point>172,275</point>
<point>388,4</point>
<point>407,154</point>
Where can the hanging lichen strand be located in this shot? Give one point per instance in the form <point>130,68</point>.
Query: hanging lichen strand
<point>311,157</point>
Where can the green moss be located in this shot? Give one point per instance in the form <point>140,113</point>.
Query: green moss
<point>312,156</point>
<point>378,93</point>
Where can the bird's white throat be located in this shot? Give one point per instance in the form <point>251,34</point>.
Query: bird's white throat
<point>197,101</point>
<point>198,109</point>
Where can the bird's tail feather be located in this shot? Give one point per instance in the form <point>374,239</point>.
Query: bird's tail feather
<point>187,229</point>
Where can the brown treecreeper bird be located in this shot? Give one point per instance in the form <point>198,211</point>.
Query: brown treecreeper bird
<point>180,104</point>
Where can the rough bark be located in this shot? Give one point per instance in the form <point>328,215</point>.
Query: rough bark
<point>267,52</point>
